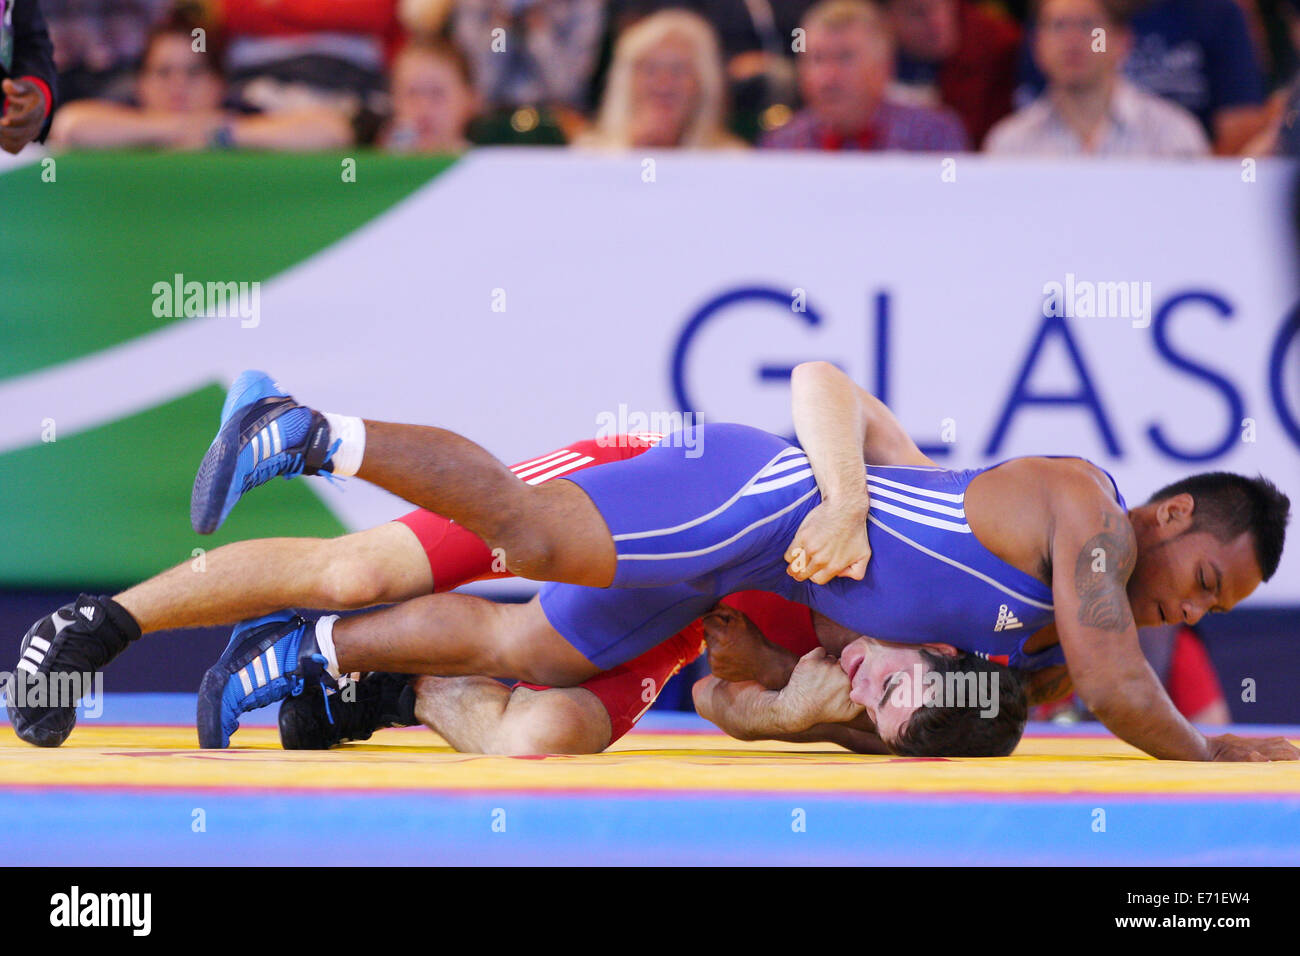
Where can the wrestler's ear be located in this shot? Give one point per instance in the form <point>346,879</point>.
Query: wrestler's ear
<point>1175,513</point>
<point>946,650</point>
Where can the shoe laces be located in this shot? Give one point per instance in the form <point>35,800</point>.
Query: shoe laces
<point>274,466</point>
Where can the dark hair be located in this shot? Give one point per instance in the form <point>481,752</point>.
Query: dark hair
<point>1229,505</point>
<point>434,46</point>
<point>182,20</point>
<point>949,730</point>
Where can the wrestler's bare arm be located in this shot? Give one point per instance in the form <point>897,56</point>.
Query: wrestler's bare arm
<point>1094,549</point>
<point>841,426</point>
<point>816,694</point>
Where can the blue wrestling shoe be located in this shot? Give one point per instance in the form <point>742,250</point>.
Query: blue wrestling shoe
<point>263,433</point>
<point>268,659</point>
<point>251,386</point>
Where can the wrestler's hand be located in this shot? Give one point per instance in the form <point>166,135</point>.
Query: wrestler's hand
<point>1253,749</point>
<point>831,543</point>
<point>818,693</point>
<point>739,652</point>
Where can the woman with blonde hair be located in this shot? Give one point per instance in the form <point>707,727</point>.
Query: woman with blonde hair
<point>666,88</point>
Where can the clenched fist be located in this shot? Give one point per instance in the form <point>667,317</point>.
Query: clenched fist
<point>830,543</point>
<point>818,693</point>
<point>739,652</point>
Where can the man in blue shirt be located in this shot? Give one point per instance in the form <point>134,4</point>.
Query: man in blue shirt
<point>1197,53</point>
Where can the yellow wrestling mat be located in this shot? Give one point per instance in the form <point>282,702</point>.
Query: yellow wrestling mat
<point>414,759</point>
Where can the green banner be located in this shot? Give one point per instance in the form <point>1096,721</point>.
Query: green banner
<point>86,238</point>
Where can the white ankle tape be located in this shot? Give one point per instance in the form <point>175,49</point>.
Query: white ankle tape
<point>325,641</point>
<point>350,433</point>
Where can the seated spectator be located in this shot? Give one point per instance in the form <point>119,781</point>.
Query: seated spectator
<point>178,104</point>
<point>1286,136</point>
<point>532,62</point>
<point>843,77</point>
<point>666,88</point>
<point>757,39</point>
<point>97,44</point>
<point>433,100</point>
<point>1281,135</point>
<point>958,54</point>
<point>1198,54</point>
<point>290,54</point>
<point>1089,108</point>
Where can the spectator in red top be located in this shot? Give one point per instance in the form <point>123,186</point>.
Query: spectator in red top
<point>288,54</point>
<point>957,54</point>
<point>1188,674</point>
<point>843,76</point>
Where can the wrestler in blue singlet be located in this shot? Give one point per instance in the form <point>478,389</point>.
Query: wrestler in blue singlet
<point>694,521</point>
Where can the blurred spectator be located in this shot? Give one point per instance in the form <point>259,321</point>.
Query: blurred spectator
<point>1088,107</point>
<point>843,76</point>
<point>543,56</point>
<point>958,54</point>
<point>1179,658</point>
<point>178,104</point>
<point>665,89</point>
<point>1286,139</point>
<point>1197,53</point>
<point>424,18</point>
<point>27,72</point>
<point>757,38</point>
<point>291,54</point>
<point>433,100</point>
<point>1281,135</point>
<point>97,44</point>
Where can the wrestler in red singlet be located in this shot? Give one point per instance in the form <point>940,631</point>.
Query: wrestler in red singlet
<point>457,556</point>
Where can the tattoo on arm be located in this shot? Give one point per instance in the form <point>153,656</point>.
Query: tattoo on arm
<point>1047,685</point>
<point>1101,572</point>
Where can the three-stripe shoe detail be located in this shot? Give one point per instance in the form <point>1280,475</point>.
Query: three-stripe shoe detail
<point>267,659</point>
<point>267,442</point>
<point>37,647</point>
<point>34,655</point>
<point>265,668</point>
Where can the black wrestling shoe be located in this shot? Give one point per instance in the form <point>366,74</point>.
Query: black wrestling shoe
<point>57,660</point>
<point>318,719</point>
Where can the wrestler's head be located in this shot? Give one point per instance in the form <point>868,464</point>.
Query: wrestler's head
<point>1204,544</point>
<point>931,700</point>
